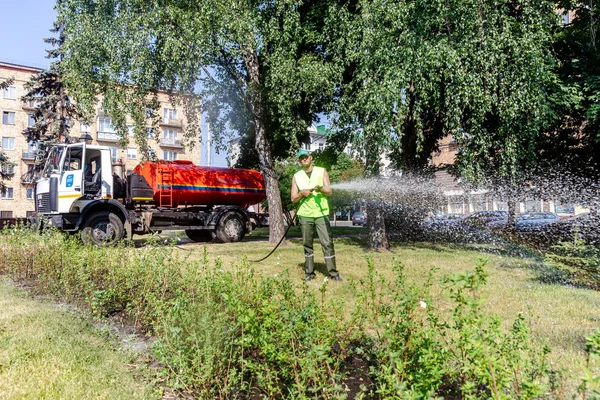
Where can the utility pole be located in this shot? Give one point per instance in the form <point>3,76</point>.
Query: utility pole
<point>208,145</point>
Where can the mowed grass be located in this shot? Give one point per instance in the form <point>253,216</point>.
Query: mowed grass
<point>47,352</point>
<point>560,316</point>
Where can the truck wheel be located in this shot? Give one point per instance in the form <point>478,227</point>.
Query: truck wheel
<point>231,228</point>
<point>103,229</point>
<point>199,235</point>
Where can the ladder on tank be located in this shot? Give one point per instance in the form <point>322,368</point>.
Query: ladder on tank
<point>165,197</point>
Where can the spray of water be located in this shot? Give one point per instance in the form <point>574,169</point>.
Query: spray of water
<point>407,202</point>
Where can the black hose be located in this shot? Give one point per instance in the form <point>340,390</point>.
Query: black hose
<point>286,231</point>
<point>275,248</point>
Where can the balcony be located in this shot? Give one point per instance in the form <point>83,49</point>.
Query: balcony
<point>30,105</point>
<point>108,137</point>
<point>169,142</point>
<point>27,178</point>
<point>172,122</point>
<point>29,155</point>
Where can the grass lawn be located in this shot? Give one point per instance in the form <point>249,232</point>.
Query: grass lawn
<point>47,352</point>
<point>559,315</point>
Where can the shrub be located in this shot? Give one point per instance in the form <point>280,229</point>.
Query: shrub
<point>232,333</point>
<point>577,261</point>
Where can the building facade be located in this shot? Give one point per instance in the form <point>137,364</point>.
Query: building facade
<point>17,200</point>
<point>463,201</point>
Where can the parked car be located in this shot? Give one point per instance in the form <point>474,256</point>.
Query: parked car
<point>442,219</point>
<point>483,219</point>
<point>585,226</point>
<point>359,218</point>
<point>534,221</point>
<point>527,221</point>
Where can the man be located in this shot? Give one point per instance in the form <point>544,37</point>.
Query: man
<point>310,189</point>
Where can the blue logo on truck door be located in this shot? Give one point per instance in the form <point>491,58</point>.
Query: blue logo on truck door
<point>69,181</point>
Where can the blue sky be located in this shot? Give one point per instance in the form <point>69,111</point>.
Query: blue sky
<point>25,24</point>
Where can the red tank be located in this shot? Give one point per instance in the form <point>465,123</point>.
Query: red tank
<point>193,185</point>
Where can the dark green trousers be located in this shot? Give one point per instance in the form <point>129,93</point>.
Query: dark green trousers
<point>308,225</point>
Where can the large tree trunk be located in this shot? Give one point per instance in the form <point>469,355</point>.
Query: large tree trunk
<point>263,148</point>
<point>378,240</point>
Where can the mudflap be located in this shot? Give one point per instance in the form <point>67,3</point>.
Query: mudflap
<point>128,229</point>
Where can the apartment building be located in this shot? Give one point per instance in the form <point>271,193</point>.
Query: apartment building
<point>17,200</point>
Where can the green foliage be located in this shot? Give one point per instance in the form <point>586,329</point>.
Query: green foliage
<point>418,71</point>
<point>577,261</point>
<point>231,333</point>
<point>55,113</point>
<point>590,386</point>
<point>573,140</point>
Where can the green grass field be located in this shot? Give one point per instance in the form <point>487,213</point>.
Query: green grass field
<point>49,352</point>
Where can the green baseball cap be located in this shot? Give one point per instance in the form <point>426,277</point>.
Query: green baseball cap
<point>303,153</point>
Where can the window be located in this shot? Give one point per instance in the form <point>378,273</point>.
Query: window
<point>32,147</point>
<point>170,134</point>
<point>170,113</point>
<point>533,205</point>
<point>566,18</point>
<point>30,121</point>
<point>8,118</point>
<point>6,214</point>
<point>564,208</point>
<point>131,153</point>
<point>8,169</point>
<point>150,133</point>
<point>29,213</point>
<point>130,130</point>
<point>84,127</point>
<point>114,153</point>
<point>149,112</point>
<point>321,146</point>
<point>8,143</point>
<point>170,155</point>
<point>29,194</point>
<point>105,124</point>
<point>7,194</point>
<point>10,92</point>
<point>455,207</point>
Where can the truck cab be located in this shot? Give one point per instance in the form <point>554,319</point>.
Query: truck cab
<point>75,192</point>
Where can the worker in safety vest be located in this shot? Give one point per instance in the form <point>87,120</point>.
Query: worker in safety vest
<point>310,187</point>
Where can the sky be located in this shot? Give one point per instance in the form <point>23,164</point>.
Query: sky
<point>25,24</point>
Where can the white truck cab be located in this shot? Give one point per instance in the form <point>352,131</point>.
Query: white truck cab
<point>76,184</point>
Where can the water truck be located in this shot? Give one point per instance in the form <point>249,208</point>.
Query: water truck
<point>80,189</point>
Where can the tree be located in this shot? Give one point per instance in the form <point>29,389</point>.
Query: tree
<point>419,71</point>
<point>573,140</point>
<point>6,166</point>
<point>54,110</point>
<point>260,65</point>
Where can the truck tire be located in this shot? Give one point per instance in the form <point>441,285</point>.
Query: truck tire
<point>231,228</point>
<point>103,229</point>
<point>199,235</point>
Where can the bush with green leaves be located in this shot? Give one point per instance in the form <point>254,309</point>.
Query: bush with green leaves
<point>578,261</point>
<point>228,332</point>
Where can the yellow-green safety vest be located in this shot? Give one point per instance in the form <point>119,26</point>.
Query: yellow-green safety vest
<point>316,205</point>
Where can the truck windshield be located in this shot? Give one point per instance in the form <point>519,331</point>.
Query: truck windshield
<point>53,160</point>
